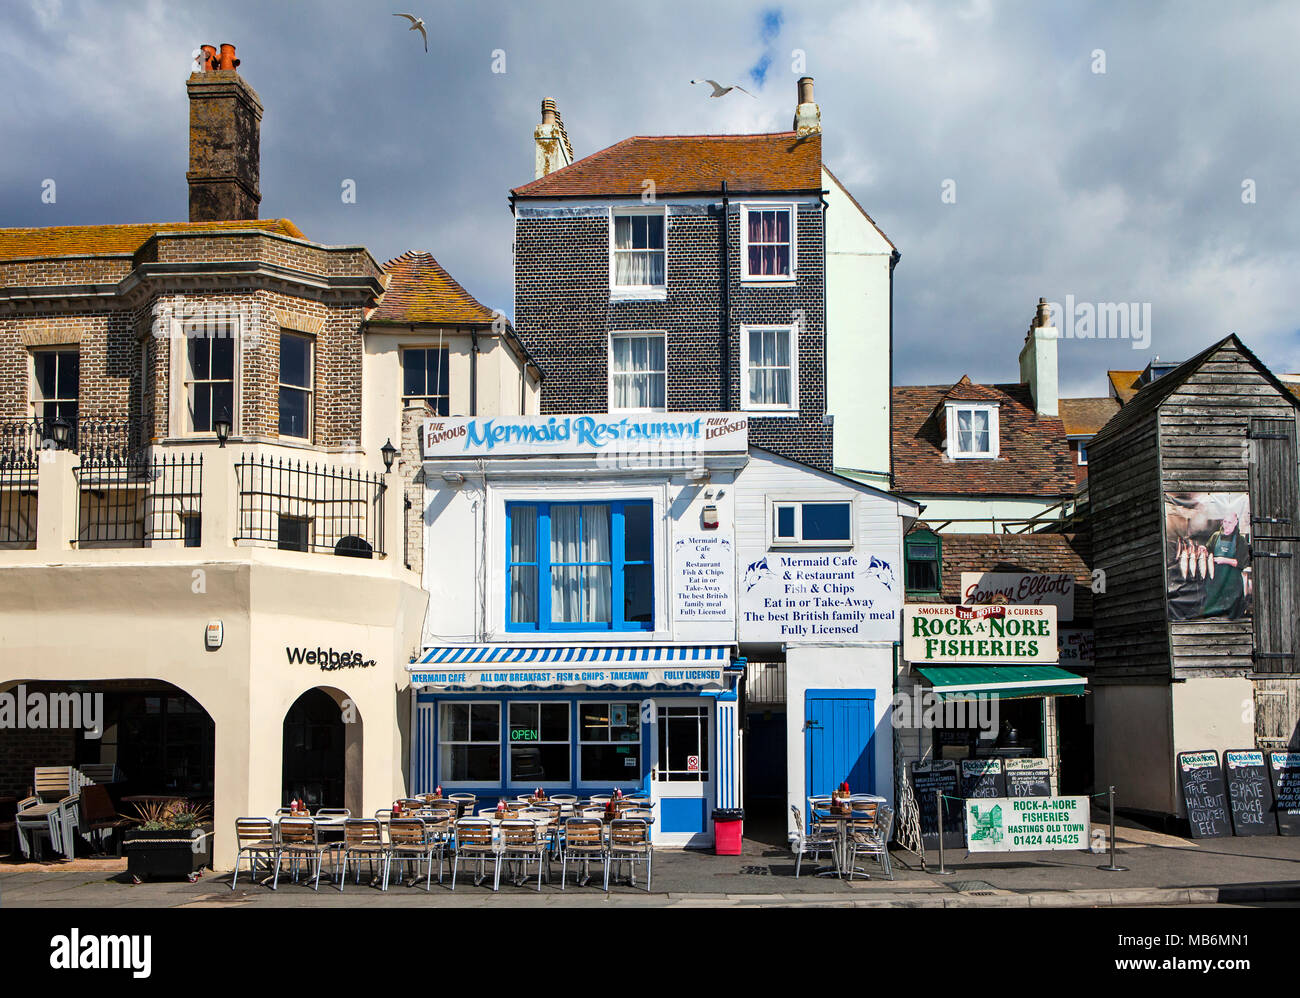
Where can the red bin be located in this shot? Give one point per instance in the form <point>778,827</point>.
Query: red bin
<point>728,828</point>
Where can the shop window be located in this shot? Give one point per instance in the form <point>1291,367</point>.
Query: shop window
<point>539,743</point>
<point>768,251</point>
<point>638,255</point>
<point>56,383</point>
<point>425,376</point>
<point>637,371</point>
<point>814,523</point>
<point>684,744</point>
<point>923,562</point>
<point>209,380</point>
<point>296,385</point>
<point>580,566</point>
<point>469,744</point>
<point>609,750</point>
<point>769,366</point>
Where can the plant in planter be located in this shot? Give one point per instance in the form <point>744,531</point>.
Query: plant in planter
<point>170,838</point>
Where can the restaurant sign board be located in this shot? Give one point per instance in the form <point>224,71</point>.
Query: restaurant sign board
<point>945,633</point>
<point>598,435</point>
<point>1021,589</point>
<point>1027,824</point>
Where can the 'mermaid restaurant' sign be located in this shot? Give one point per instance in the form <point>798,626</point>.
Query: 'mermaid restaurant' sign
<point>955,635</point>
<point>523,436</point>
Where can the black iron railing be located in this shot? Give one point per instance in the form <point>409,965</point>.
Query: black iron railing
<point>17,504</point>
<point>299,506</point>
<point>104,440</point>
<point>139,503</point>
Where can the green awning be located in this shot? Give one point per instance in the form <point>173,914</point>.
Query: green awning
<point>1001,682</point>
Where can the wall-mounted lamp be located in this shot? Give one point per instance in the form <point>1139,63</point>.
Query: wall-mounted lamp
<point>60,430</point>
<point>389,453</point>
<point>222,425</point>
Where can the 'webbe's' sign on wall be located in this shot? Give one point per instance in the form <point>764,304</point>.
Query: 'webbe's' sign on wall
<point>532,436</point>
<point>956,635</point>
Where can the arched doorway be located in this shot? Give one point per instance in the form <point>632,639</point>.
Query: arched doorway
<point>315,751</point>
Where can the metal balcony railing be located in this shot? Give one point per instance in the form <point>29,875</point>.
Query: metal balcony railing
<point>141,502</point>
<point>300,506</point>
<point>94,438</point>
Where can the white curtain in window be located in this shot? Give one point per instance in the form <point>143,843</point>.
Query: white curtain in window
<point>972,431</point>
<point>769,367</point>
<point>638,372</point>
<point>596,583</point>
<point>566,538</point>
<point>523,578</point>
<point>638,251</point>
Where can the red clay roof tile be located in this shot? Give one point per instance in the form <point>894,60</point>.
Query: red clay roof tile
<point>419,290</point>
<point>96,240</point>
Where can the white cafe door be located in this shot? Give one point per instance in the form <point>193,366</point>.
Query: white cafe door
<point>682,771</point>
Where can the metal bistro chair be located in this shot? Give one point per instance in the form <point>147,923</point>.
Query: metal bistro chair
<point>872,839</point>
<point>629,842</point>
<point>410,840</point>
<point>474,841</point>
<point>522,842</point>
<point>465,802</point>
<point>584,840</point>
<point>820,840</point>
<point>300,840</point>
<point>363,839</point>
<point>256,837</point>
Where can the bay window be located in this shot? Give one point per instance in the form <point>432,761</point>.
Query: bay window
<point>580,566</point>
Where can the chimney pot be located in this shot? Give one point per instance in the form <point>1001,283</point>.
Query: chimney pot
<point>209,58</point>
<point>807,115</point>
<point>548,111</point>
<point>551,147</point>
<point>806,90</point>
<point>228,62</point>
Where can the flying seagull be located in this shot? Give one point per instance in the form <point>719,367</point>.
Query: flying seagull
<point>417,24</point>
<point>719,90</point>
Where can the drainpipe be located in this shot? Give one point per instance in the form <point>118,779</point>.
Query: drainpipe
<point>473,372</point>
<point>726,304</point>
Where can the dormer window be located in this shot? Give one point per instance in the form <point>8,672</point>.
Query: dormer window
<point>972,430</point>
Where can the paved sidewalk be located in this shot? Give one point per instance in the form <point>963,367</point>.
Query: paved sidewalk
<point>1164,870</point>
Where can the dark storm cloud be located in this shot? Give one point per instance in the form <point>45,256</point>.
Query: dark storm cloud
<point>1123,186</point>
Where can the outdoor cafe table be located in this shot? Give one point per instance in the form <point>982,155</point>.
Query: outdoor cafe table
<point>824,814</point>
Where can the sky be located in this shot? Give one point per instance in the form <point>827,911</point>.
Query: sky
<point>1094,154</point>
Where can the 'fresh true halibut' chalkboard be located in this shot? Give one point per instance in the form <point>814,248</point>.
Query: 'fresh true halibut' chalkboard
<point>1284,767</point>
<point>982,778</point>
<point>1028,778</point>
<point>1206,797</point>
<point>1249,792</point>
<point>927,777</point>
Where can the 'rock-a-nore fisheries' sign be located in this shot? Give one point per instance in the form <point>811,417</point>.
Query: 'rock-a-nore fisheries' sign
<point>1027,824</point>
<point>947,633</point>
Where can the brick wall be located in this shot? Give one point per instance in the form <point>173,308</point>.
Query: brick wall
<point>411,472</point>
<point>564,315</point>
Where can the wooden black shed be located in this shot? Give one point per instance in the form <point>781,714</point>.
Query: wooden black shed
<point>1194,492</point>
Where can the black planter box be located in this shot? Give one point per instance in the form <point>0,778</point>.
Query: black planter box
<point>167,854</point>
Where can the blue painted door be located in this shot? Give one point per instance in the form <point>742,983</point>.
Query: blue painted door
<point>840,740</point>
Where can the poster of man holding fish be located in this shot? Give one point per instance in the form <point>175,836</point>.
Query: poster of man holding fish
<point>1207,552</point>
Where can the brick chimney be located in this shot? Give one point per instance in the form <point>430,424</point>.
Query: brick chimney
<point>807,115</point>
<point>1038,362</point>
<point>553,149</point>
<point>225,140</point>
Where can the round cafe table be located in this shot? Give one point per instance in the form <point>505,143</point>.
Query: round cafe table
<point>841,820</point>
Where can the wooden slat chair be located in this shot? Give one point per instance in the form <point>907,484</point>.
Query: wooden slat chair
<point>584,841</point>
<point>872,838</point>
<point>51,813</point>
<point>522,842</point>
<point>822,839</point>
<point>99,772</point>
<point>475,841</point>
<point>300,840</point>
<point>363,839</point>
<point>629,842</point>
<point>256,837</point>
<point>410,841</point>
<point>97,818</point>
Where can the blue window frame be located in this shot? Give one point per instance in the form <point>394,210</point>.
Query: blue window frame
<point>580,566</point>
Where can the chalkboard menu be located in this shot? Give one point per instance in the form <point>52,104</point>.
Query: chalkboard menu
<point>1284,767</point>
<point>1249,792</point>
<point>1205,795</point>
<point>1028,778</point>
<point>982,778</point>
<point>927,777</point>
